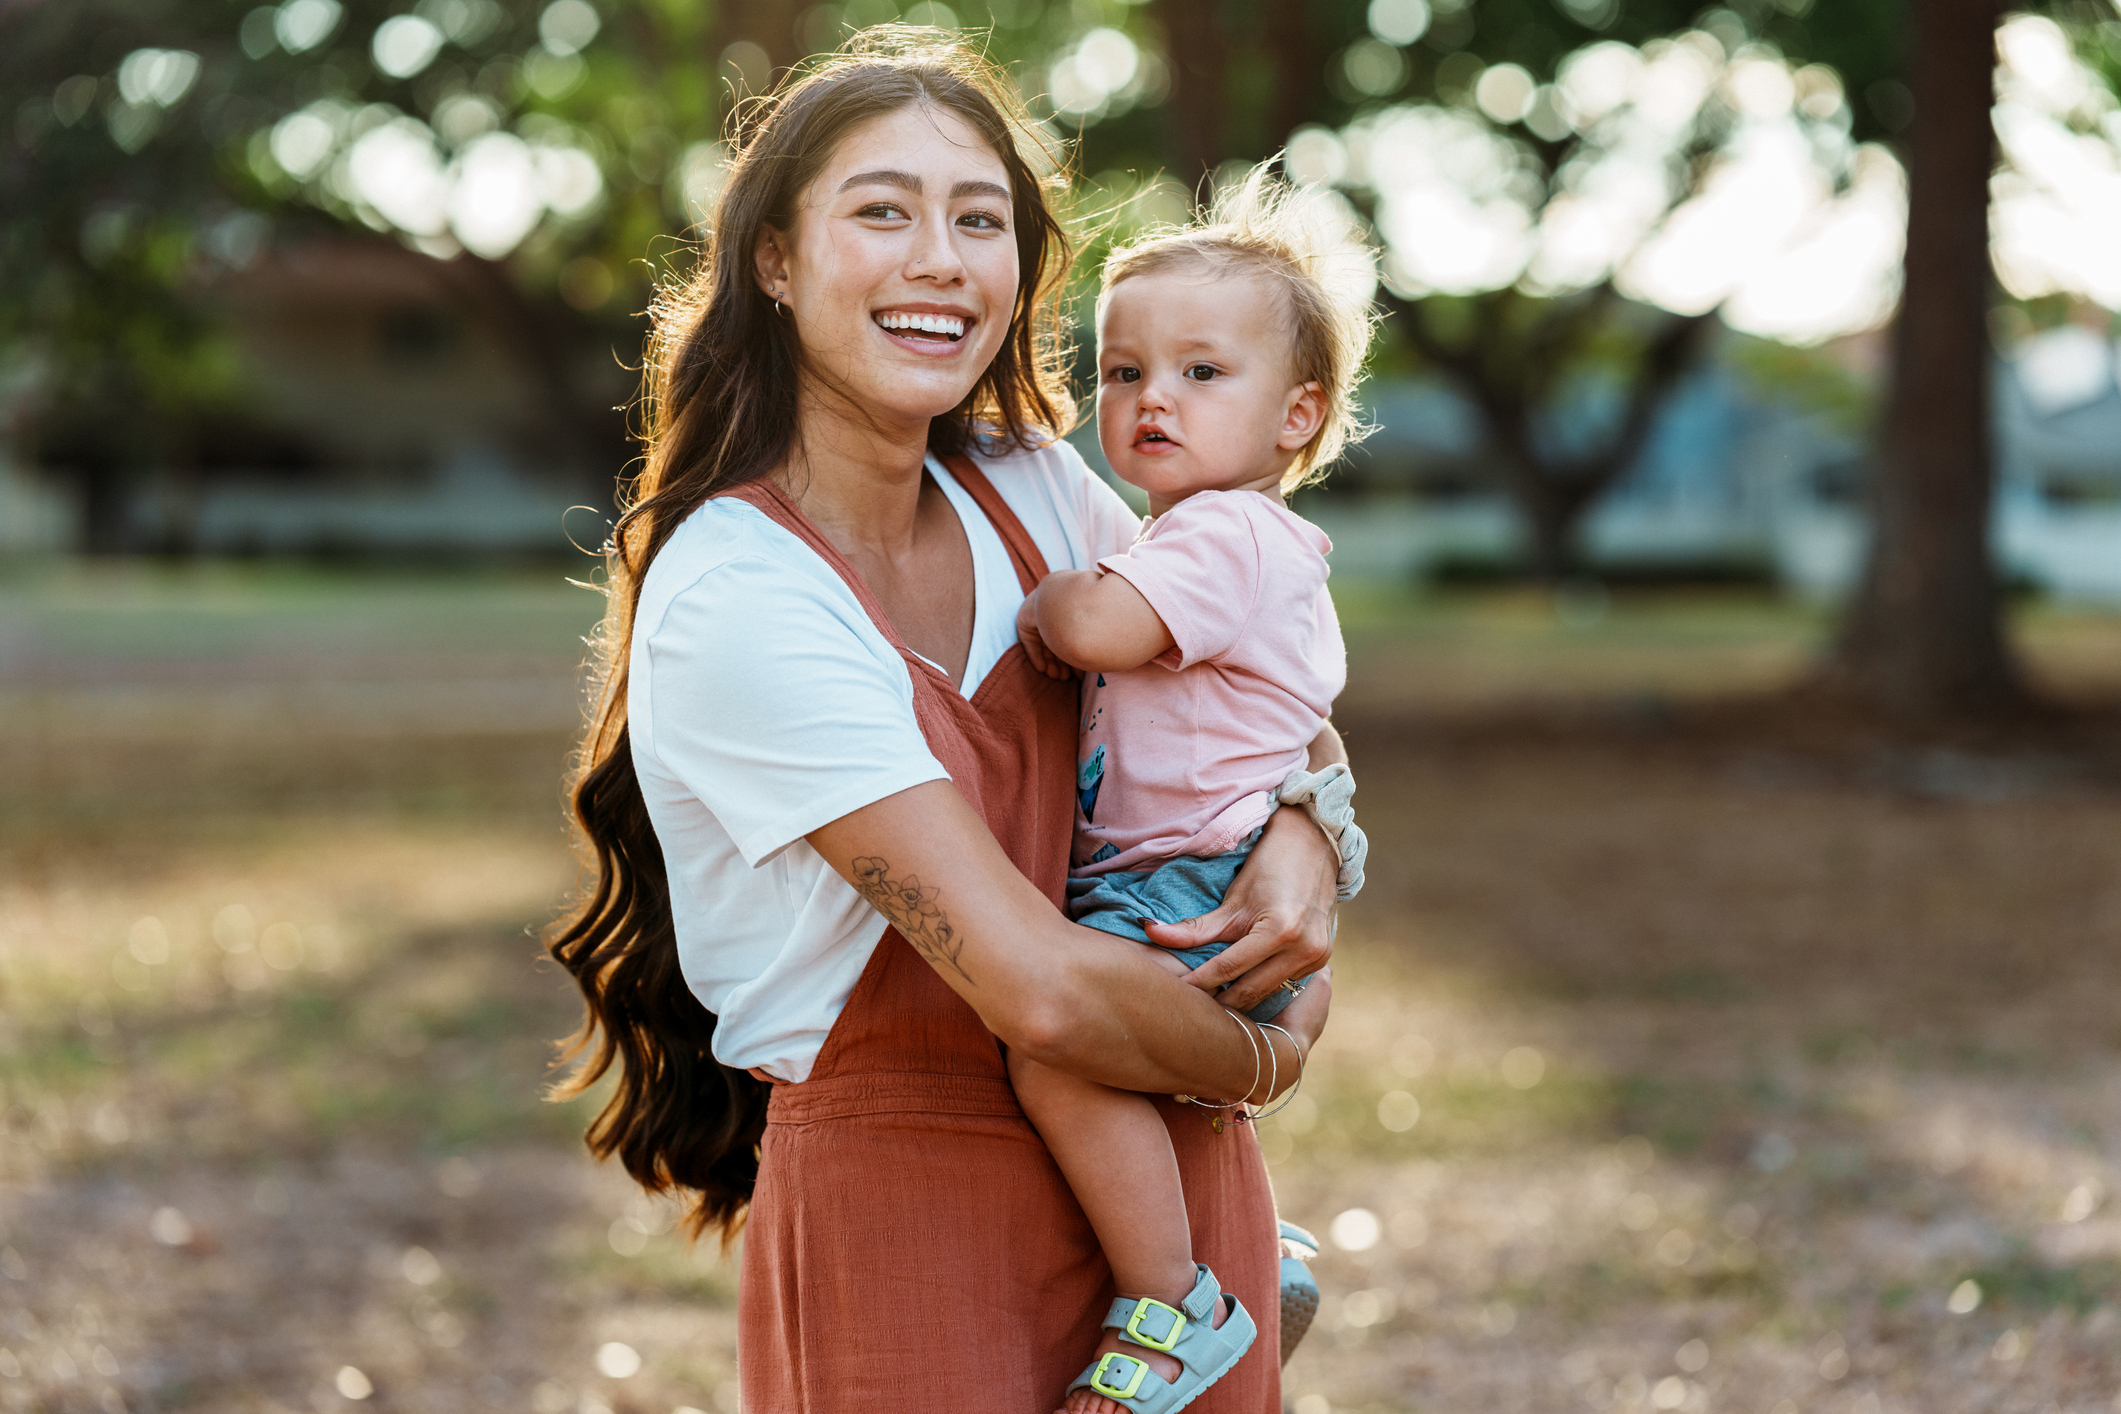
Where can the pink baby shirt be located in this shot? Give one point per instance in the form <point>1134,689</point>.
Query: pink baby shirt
<point>1182,755</point>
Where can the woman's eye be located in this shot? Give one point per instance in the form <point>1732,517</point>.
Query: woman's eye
<point>881,211</point>
<point>1202,372</point>
<point>982,221</point>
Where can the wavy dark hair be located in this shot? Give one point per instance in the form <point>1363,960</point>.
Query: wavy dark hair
<point>719,409</point>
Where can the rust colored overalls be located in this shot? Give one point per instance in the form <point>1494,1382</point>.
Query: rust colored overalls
<point>911,1244</point>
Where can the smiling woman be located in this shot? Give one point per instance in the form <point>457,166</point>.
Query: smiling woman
<point>917,191</point>
<point>828,799</point>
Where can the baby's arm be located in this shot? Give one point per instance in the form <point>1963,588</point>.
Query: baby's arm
<point>1090,620</point>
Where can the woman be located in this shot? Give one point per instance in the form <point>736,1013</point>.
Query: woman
<point>829,798</point>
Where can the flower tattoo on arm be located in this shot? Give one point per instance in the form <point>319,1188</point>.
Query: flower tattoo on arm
<point>911,908</point>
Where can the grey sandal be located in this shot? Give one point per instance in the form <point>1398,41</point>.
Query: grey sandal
<point>1299,1289</point>
<point>1205,1352</point>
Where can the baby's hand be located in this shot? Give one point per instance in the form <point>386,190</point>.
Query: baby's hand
<point>1035,647</point>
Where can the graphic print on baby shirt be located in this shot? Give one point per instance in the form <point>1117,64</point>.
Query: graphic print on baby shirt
<point>1089,779</point>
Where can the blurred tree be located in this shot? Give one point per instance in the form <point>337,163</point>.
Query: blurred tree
<point>525,154</point>
<point>1530,353</point>
<point>522,157</point>
<point>1558,238</point>
<point>1924,635</point>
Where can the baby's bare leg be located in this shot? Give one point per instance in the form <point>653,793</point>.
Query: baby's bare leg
<point>1167,961</point>
<point>1116,1154</point>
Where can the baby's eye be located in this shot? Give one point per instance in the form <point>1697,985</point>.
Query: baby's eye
<point>1125,373</point>
<point>1202,372</point>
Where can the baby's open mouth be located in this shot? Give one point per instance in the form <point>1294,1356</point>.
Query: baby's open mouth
<point>944,328</point>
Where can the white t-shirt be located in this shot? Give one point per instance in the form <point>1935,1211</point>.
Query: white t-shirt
<point>763,703</point>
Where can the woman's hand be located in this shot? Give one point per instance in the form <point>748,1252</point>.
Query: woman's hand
<point>1277,917</point>
<point>1034,646</point>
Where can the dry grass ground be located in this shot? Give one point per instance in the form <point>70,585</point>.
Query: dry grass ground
<point>1686,1056</point>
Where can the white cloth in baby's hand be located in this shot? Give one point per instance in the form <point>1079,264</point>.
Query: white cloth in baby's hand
<point>1328,796</point>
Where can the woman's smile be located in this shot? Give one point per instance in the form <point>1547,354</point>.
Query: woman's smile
<point>933,330</point>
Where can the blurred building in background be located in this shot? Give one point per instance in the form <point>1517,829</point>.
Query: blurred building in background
<point>1734,484</point>
<point>384,414</point>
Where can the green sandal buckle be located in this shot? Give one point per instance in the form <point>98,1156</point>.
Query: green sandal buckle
<point>1150,1306</point>
<point>1126,1391</point>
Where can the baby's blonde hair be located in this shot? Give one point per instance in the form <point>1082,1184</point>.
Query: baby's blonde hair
<point>1304,247</point>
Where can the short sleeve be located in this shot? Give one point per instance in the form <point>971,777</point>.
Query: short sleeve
<point>770,704</point>
<point>1199,568</point>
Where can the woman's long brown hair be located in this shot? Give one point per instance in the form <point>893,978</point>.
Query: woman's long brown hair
<point>720,409</point>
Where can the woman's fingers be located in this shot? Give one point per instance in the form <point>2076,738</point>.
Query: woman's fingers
<point>1253,948</point>
<point>1223,924</point>
<point>1275,950</point>
<point>1267,948</point>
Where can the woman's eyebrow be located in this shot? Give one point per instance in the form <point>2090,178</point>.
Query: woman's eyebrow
<point>910,181</point>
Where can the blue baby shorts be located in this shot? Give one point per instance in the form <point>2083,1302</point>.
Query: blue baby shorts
<point>1174,891</point>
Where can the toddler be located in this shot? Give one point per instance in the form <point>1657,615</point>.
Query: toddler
<point>1227,355</point>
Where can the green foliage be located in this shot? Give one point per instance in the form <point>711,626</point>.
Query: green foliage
<point>2022,1283</point>
<point>1806,378</point>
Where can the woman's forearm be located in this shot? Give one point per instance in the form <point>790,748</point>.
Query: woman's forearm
<point>1113,1023</point>
<point>1077,999</point>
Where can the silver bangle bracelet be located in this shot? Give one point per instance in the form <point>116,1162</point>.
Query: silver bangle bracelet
<point>1254,1042</point>
<point>1293,1089</point>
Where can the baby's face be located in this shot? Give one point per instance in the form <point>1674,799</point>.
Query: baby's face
<point>1194,389</point>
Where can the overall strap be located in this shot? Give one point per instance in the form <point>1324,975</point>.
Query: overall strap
<point>1024,554</point>
<point>1023,551</point>
<point>781,509</point>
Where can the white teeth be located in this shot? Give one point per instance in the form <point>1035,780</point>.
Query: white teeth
<point>926,323</point>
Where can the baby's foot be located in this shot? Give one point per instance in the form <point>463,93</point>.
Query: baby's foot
<point>1166,1367</point>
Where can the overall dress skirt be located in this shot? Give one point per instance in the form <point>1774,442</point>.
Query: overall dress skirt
<point>911,1243</point>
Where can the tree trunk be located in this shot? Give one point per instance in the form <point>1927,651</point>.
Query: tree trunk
<point>1197,47</point>
<point>1553,523</point>
<point>1924,634</point>
<point>1296,67</point>
<point>1505,384</point>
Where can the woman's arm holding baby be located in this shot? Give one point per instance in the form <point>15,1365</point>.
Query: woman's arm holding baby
<point>1074,998</point>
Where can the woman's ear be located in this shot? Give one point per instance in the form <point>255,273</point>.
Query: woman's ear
<point>769,262</point>
<point>1305,414</point>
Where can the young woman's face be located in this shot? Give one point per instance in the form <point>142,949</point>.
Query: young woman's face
<point>901,272</point>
